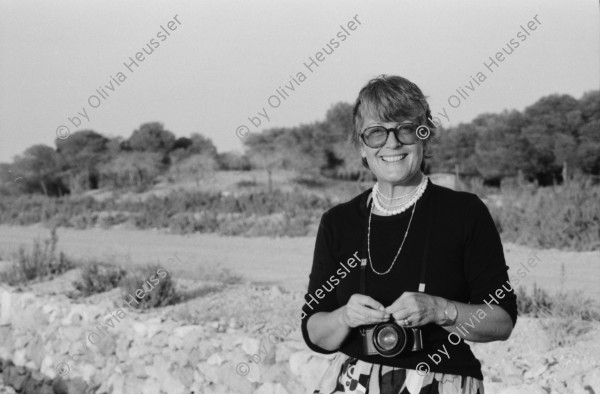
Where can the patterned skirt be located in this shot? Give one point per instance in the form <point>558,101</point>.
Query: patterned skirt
<point>350,375</point>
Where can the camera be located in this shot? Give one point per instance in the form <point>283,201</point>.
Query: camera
<point>389,339</point>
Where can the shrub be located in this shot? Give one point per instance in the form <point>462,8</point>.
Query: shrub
<point>99,277</point>
<point>219,274</point>
<point>150,286</point>
<point>564,316</point>
<point>41,262</point>
<point>246,183</point>
<point>535,304</point>
<point>565,217</point>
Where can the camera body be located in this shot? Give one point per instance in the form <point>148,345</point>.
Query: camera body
<point>389,339</point>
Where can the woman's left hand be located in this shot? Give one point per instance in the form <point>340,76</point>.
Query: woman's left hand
<point>417,309</point>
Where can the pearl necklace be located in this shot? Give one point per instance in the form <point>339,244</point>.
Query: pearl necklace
<point>421,189</point>
<point>391,211</point>
<point>382,197</point>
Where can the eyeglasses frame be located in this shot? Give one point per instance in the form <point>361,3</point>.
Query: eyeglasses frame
<point>422,131</point>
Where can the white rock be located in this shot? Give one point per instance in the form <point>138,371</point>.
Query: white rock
<point>48,367</point>
<point>535,372</point>
<point>576,388</point>
<point>198,378</point>
<point>175,342</point>
<point>19,358</point>
<point>117,383</point>
<point>153,328</point>
<point>87,371</point>
<point>298,345</point>
<point>250,345</point>
<point>172,386</point>
<point>493,387</point>
<point>271,388</point>
<point>313,371</point>
<point>298,361</point>
<point>151,386</point>
<point>592,379</point>
<point>283,353</point>
<point>183,331</point>
<point>215,359</point>
<point>139,329</point>
<point>523,389</point>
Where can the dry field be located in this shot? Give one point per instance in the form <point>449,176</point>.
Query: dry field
<point>282,261</point>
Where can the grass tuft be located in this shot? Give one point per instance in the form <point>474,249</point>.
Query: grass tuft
<point>41,262</point>
<point>97,277</point>
<point>150,286</point>
<point>563,316</point>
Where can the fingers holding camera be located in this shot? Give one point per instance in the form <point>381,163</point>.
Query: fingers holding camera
<point>361,310</point>
<point>415,309</point>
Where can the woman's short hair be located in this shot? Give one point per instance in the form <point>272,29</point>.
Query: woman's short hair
<point>388,98</point>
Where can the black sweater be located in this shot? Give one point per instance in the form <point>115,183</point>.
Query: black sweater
<point>465,264</point>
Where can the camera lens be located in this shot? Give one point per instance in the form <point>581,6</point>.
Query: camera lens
<point>387,338</point>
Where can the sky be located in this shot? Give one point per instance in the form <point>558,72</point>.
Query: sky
<point>231,67</point>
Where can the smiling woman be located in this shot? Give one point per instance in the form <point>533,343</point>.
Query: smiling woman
<point>431,258</point>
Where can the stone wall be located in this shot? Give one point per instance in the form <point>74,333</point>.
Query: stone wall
<point>60,345</point>
<point>50,344</point>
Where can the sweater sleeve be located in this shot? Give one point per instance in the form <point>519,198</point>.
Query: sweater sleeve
<point>484,264</point>
<point>317,300</point>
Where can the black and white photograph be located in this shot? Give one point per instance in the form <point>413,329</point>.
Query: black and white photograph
<point>299,197</point>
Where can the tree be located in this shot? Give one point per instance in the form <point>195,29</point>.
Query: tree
<point>132,169</point>
<point>552,132</point>
<point>197,144</point>
<point>230,161</point>
<point>455,146</point>
<point>83,152</point>
<point>200,167</point>
<point>202,145</point>
<point>39,166</point>
<point>588,151</point>
<point>499,148</point>
<point>265,153</point>
<point>341,157</point>
<point>151,137</point>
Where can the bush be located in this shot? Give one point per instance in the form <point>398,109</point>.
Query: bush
<point>533,305</point>
<point>151,287</point>
<point>564,316</point>
<point>246,183</point>
<point>565,217</point>
<point>99,277</point>
<point>573,305</point>
<point>41,262</point>
<point>218,274</point>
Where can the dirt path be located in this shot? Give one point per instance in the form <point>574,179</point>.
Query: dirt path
<point>286,261</point>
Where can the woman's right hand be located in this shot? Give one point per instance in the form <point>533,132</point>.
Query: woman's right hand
<point>362,309</point>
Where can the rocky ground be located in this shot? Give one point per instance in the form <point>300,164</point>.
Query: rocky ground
<point>542,355</point>
<point>234,325</point>
<point>248,341</point>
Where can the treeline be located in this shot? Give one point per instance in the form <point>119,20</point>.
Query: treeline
<point>87,160</point>
<point>557,135</point>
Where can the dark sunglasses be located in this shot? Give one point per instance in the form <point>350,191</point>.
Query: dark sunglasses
<point>406,133</point>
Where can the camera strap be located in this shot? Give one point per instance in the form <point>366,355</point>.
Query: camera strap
<point>363,262</point>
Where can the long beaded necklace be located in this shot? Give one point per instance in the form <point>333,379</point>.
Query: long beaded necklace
<point>421,189</point>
